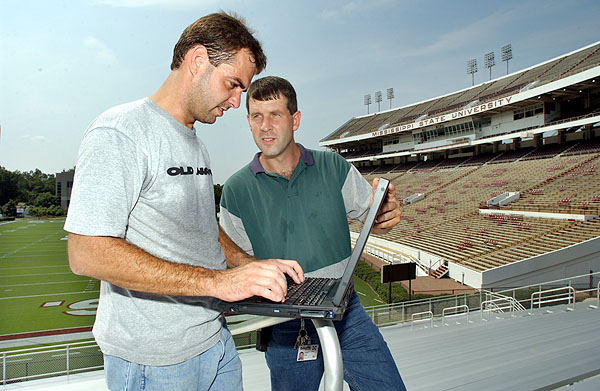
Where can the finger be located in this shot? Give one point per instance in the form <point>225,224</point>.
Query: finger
<point>267,293</point>
<point>289,267</point>
<point>294,270</point>
<point>373,187</point>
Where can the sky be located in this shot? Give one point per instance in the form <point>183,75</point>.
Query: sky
<point>62,63</point>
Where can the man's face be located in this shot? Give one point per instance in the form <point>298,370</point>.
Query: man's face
<point>220,88</point>
<point>272,126</point>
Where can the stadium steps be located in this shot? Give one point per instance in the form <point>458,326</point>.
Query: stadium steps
<point>440,272</point>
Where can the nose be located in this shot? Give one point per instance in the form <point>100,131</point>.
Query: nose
<point>235,99</point>
<point>265,124</point>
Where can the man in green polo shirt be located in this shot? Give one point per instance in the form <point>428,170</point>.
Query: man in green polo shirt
<point>294,203</point>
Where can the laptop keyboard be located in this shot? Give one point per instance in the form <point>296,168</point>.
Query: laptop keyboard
<point>311,292</point>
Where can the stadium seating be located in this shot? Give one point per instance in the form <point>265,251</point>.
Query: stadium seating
<point>448,223</point>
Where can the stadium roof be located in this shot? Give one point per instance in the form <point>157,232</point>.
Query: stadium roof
<point>564,75</point>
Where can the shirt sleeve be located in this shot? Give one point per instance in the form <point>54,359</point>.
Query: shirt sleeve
<point>356,192</point>
<point>109,176</point>
<point>232,224</point>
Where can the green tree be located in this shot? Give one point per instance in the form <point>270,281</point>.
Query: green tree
<point>8,186</point>
<point>9,208</point>
<point>45,199</point>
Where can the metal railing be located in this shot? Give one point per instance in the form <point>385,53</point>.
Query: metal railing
<point>422,317</point>
<point>551,296</point>
<point>455,311</point>
<point>66,359</point>
<point>58,360</point>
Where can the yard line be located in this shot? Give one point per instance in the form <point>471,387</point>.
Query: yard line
<point>65,354</point>
<point>45,283</point>
<point>8,361</point>
<point>32,275</point>
<point>30,267</point>
<point>29,245</point>
<point>47,294</point>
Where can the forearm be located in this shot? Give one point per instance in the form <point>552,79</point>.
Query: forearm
<point>120,263</point>
<point>234,255</point>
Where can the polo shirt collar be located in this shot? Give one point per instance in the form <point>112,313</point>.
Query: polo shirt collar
<point>305,156</point>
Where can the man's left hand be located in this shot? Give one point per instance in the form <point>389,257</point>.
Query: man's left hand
<point>389,213</point>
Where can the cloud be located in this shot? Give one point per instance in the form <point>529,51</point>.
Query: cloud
<point>35,139</point>
<point>351,8</point>
<point>100,49</point>
<point>469,34</point>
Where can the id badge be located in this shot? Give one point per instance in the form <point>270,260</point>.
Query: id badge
<point>307,352</point>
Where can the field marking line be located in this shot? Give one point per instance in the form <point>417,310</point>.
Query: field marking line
<point>47,294</point>
<point>31,267</point>
<point>35,274</point>
<point>29,245</point>
<point>46,283</point>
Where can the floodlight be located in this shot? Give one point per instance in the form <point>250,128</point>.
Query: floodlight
<point>489,62</point>
<point>506,54</point>
<point>367,101</point>
<point>378,100</point>
<point>471,69</point>
<point>390,95</point>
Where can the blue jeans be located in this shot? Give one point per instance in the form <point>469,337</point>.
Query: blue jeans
<point>217,369</point>
<point>368,363</point>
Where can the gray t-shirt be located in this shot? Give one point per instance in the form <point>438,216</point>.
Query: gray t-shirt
<point>143,176</point>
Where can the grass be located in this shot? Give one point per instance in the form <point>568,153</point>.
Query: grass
<point>367,295</point>
<point>38,291</point>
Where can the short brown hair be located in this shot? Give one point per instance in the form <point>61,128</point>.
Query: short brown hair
<point>222,35</point>
<point>269,88</point>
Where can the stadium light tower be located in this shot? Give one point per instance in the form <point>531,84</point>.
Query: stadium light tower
<point>378,100</point>
<point>471,69</point>
<point>506,54</point>
<point>390,96</point>
<point>367,101</point>
<point>489,62</point>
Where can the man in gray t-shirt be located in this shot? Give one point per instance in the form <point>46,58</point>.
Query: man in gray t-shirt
<point>142,220</point>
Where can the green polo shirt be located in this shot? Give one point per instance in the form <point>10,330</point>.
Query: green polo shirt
<point>304,218</point>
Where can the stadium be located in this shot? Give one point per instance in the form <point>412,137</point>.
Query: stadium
<point>500,185</point>
<point>499,181</point>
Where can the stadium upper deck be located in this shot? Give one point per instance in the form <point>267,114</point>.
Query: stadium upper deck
<point>524,104</point>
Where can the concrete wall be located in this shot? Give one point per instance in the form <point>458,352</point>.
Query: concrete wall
<point>569,261</point>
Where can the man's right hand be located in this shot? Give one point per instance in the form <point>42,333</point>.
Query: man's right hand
<point>264,278</point>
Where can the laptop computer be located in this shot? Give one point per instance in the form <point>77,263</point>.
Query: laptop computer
<point>324,298</point>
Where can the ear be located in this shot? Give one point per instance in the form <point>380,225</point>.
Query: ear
<point>196,59</point>
<point>296,120</point>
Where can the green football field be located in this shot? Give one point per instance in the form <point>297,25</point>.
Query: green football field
<point>38,291</point>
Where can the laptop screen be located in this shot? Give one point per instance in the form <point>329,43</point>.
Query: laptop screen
<point>378,198</point>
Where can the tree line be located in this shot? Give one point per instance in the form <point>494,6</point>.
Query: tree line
<point>38,191</point>
<point>34,188</point>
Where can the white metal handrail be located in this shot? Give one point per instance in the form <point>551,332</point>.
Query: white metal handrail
<point>495,305</point>
<point>569,296</point>
<point>597,298</point>
<point>456,309</point>
<point>422,316</point>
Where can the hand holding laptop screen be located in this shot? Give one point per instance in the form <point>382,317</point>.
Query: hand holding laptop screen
<point>389,213</point>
